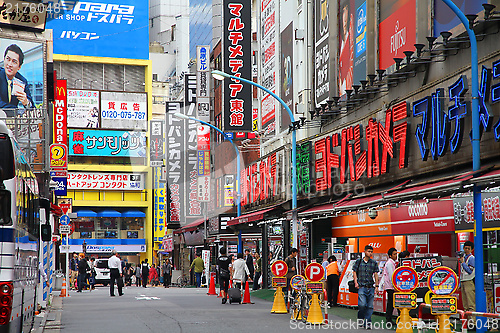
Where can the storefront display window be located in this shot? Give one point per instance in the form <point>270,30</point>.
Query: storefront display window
<point>108,227</point>
<point>132,227</point>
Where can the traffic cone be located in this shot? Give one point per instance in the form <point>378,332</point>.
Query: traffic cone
<point>315,316</point>
<point>246,297</point>
<point>279,302</point>
<point>63,289</point>
<point>211,288</point>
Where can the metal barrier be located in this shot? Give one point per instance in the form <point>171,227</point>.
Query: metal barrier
<point>463,317</point>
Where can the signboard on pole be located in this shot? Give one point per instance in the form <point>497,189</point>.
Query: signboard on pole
<point>60,113</point>
<point>156,152</point>
<point>204,189</point>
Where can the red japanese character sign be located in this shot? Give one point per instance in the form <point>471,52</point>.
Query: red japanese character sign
<point>279,268</point>
<point>405,279</point>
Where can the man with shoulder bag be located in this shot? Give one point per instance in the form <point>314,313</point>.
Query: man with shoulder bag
<point>365,271</point>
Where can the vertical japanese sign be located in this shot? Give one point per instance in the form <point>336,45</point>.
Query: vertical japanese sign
<point>175,159</point>
<point>193,206</point>
<point>397,30</point>
<point>321,51</point>
<point>202,82</point>
<point>156,152</point>
<point>159,207</point>
<point>268,74</point>
<point>237,61</point>
<point>228,190</point>
<point>286,74</point>
<point>60,113</point>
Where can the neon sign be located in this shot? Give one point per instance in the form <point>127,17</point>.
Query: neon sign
<point>352,161</point>
<point>304,168</point>
<point>457,111</point>
<point>259,181</point>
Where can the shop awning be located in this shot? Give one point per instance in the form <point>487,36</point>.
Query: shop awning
<point>436,187</point>
<point>109,213</point>
<point>355,204</point>
<point>133,213</point>
<point>85,213</point>
<point>190,227</point>
<point>487,178</point>
<point>255,216</point>
<point>323,209</point>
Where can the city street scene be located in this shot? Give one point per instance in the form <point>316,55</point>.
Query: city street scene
<point>265,165</point>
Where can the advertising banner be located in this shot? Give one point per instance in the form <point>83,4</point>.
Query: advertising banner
<point>203,135</point>
<point>268,43</point>
<point>228,190</point>
<point>193,206</point>
<point>321,52</point>
<point>446,20</point>
<point>423,217</point>
<point>397,30</point>
<point>91,248</point>
<point>83,109</point>
<point>202,82</point>
<point>156,152</point>
<point>175,158</point>
<point>83,142</point>
<point>237,52</point>
<point>346,43</point>
<point>61,113</point>
<point>105,181</point>
<point>287,74</point>
<point>203,163</point>
<point>124,110</point>
<point>159,215</point>
<point>61,186</point>
<point>463,211</point>
<point>116,29</point>
<point>359,71</point>
<point>24,14</point>
<point>204,189</point>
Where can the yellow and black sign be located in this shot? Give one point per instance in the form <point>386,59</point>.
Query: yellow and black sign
<point>279,281</point>
<point>405,300</point>
<point>314,287</point>
<point>443,305</point>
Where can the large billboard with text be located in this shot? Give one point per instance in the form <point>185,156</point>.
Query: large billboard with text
<point>84,142</point>
<point>107,28</point>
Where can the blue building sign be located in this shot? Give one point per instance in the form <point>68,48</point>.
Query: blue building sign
<point>109,28</point>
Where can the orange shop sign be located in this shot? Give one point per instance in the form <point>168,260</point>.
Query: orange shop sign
<point>360,224</point>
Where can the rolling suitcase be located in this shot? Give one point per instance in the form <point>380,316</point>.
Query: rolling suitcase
<point>234,295</point>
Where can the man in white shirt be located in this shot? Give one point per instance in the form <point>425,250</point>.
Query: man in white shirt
<point>239,270</point>
<point>115,267</point>
<point>386,284</point>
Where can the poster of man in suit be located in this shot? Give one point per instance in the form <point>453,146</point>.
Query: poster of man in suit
<point>21,77</point>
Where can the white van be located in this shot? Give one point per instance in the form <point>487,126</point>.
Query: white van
<point>101,271</point>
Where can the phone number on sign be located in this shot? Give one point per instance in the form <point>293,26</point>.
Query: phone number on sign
<point>122,114</point>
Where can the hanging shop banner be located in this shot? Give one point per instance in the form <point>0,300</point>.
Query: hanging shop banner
<point>100,29</point>
<point>193,206</point>
<point>83,142</point>
<point>286,61</point>
<point>269,18</point>
<point>105,181</point>
<point>359,62</point>
<point>175,164</point>
<point>61,186</point>
<point>204,189</point>
<point>346,43</point>
<point>423,217</point>
<point>156,134</point>
<point>58,156</point>
<point>237,61</point>
<point>124,110</point>
<point>397,30</point>
<point>463,209</point>
<point>228,190</point>
<point>83,109</point>
<point>321,52</point>
<point>202,82</point>
<point>203,163</point>
<point>160,196</point>
<point>203,135</point>
<point>24,14</point>
<point>61,112</point>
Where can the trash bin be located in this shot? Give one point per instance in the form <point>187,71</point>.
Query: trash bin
<point>58,278</point>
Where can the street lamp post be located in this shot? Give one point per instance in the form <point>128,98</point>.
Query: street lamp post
<point>219,75</point>
<point>476,165</point>
<point>238,202</point>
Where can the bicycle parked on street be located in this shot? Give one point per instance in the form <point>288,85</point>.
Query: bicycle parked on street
<point>299,304</point>
<point>182,281</point>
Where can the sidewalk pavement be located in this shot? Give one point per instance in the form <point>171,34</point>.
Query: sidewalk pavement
<point>50,319</point>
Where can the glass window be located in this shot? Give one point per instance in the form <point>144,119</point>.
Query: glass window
<point>132,223</point>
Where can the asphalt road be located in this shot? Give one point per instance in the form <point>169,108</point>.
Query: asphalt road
<point>173,310</point>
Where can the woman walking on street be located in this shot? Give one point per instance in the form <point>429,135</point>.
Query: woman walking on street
<point>138,274</point>
<point>153,275</point>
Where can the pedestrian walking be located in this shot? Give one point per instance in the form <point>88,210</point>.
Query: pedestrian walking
<point>240,271</point>
<point>73,271</point>
<point>258,271</point>
<point>145,272</point>
<point>138,273</point>
<point>153,275</point>
<point>332,278</point>
<point>91,276</point>
<point>82,272</point>
<point>467,279</point>
<point>116,274</point>
<point>291,262</point>
<point>249,262</point>
<point>167,273</point>
<point>199,267</point>
<point>225,267</point>
<point>365,271</point>
<point>386,283</point>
